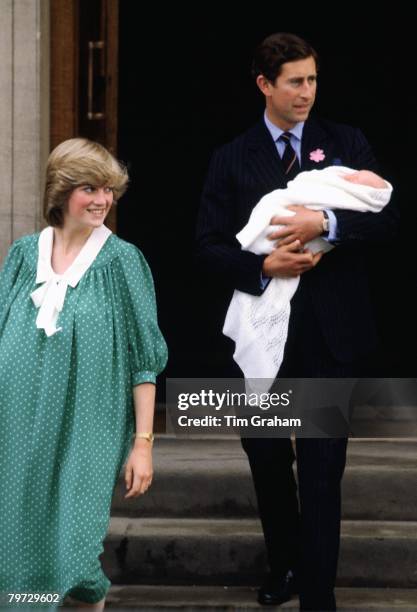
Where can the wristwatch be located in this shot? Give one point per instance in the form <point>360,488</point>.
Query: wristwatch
<point>326,223</point>
<point>146,436</point>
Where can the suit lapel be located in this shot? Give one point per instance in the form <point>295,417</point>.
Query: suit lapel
<point>263,170</point>
<point>263,160</point>
<point>264,163</point>
<point>316,147</point>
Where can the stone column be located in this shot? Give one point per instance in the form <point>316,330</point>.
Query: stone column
<point>24,116</point>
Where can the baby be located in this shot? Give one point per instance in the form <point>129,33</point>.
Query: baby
<point>259,324</point>
<point>367,178</point>
<point>315,189</point>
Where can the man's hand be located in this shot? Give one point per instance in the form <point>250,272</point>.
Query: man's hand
<point>289,261</point>
<point>305,225</point>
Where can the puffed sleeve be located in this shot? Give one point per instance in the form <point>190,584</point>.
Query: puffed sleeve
<point>9,274</point>
<point>147,348</point>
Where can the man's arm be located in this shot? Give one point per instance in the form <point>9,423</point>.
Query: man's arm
<point>354,227</point>
<point>351,227</point>
<point>219,252</point>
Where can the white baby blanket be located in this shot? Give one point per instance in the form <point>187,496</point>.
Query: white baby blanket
<point>259,324</point>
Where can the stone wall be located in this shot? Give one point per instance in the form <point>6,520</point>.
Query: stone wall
<point>24,116</point>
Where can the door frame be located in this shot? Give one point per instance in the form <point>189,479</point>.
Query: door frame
<point>65,92</point>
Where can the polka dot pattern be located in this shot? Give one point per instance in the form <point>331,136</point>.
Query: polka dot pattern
<point>66,415</point>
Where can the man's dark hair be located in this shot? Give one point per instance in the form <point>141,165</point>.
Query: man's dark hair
<point>277,49</point>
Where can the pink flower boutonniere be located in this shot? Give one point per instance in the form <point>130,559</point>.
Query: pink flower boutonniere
<point>317,155</point>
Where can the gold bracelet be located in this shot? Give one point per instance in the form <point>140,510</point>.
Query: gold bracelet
<point>146,436</point>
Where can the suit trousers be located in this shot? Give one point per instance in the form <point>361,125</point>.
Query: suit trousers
<point>303,534</point>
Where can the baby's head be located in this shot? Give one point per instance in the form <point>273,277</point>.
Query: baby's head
<point>365,177</point>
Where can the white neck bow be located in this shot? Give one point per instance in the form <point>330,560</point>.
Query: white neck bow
<point>50,296</point>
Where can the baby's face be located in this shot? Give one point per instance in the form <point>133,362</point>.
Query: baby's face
<point>365,177</point>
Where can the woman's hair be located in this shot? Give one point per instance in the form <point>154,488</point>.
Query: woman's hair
<point>77,162</point>
<point>277,49</point>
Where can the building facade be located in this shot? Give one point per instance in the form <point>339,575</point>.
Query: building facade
<point>24,116</point>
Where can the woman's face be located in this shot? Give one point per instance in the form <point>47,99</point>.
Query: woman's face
<point>88,206</point>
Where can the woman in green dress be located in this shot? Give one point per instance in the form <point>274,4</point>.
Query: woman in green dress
<point>80,349</point>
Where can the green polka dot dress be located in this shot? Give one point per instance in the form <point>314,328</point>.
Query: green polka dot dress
<point>67,416</point>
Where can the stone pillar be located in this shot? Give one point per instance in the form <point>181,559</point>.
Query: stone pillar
<point>24,116</point>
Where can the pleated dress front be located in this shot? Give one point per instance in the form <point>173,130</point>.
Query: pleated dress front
<point>67,414</point>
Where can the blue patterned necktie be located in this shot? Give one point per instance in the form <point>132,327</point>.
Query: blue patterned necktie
<point>289,158</point>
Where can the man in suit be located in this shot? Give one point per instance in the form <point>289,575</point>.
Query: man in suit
<point>331,331</point>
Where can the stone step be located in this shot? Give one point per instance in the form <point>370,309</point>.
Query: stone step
<point>211,478</point>
<point>243,599</point>
<point>214,551</point>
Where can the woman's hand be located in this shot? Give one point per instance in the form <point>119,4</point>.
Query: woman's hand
<point>139,470</point>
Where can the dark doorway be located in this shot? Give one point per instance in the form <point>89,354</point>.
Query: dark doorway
<point>83,74</point>
<point>185,88</point>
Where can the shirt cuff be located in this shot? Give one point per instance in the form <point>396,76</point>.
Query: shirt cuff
<point>264,281</point>
<point>332,234</point>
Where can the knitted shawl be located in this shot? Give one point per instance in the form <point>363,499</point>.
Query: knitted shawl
<point>259,324</point>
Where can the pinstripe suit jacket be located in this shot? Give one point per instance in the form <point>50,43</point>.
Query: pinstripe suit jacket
<point>243,171</point>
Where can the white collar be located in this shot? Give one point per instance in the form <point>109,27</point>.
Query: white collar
<point>276,131</point>
<point>50,296</point>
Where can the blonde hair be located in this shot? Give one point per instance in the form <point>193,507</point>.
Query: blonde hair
<point>77,162</point>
